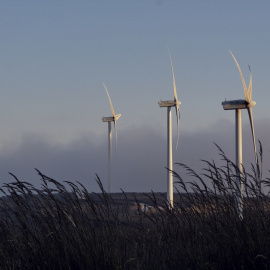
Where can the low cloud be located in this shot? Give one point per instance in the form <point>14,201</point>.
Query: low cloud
<point>138,163</point>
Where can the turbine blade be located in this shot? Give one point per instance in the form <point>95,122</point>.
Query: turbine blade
<point>243,81</point>
<point>174,87</point>
<point>114,121</point>
<point>109,100</point>
<point>177,117</point>
<point>250,85</point>
<point>177,110</point>
<point>253,133</point>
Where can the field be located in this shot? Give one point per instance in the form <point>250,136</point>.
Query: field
<point>63,226</point>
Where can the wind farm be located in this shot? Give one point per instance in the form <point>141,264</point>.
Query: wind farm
<point>73,227</point>
<point>153,190</point>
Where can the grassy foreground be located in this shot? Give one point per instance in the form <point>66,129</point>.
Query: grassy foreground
<point>66,227</point>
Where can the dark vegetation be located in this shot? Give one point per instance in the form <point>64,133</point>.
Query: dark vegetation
<point>66,227</point>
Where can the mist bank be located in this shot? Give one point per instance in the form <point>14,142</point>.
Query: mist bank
<point>139,162</point>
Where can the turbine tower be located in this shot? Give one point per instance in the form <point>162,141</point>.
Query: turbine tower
<point>110,119</point>
<point>169,104</point>
<point>238,105</point>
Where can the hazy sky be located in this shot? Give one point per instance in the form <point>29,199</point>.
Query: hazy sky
<point>55,55</point>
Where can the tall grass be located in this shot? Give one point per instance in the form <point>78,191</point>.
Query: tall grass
<point>63,226</point>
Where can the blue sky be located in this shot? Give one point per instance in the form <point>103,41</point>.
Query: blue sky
<point>55,55</point>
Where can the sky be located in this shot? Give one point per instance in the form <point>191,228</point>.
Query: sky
<point>55,56</point>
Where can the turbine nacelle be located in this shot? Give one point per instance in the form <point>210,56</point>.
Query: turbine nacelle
<point>111,118</point>
<point>169,103</point>
<point>237,104</point>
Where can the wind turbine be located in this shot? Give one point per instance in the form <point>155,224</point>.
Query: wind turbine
<point>110,119</point>
<point>238,105</point>
<point>169,104</point>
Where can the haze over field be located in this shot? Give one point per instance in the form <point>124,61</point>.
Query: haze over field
<point>55,55</point>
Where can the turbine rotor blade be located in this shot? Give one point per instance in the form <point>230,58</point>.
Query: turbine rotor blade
<point>177,110</point>
<point>114,121</point>
<point>174,87</point>
<point>247,98</point>
<point>250,85</point>
<point>177,117</point>
<point>109,100</point>
<point>253,133</point>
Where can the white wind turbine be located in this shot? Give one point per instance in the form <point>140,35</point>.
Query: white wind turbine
<point>238,105</point>
<point>169,104</point>
<point>110,119</point>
